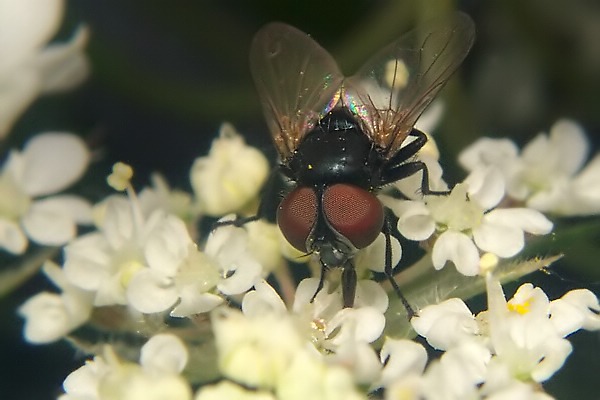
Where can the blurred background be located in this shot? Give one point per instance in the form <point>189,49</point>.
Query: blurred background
<point>165,75</point>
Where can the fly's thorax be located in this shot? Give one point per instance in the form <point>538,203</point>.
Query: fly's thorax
<point>335,151</point>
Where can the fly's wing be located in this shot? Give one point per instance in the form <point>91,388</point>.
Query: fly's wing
<point>394,87</point>
<point>297,80</point>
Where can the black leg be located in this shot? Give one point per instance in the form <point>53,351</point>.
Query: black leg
<point>348,284</point>
<point>389,270</point>
<point>410,149</point>
<point>321,281</point>
<point>408,169</point>
<point>398,167</point>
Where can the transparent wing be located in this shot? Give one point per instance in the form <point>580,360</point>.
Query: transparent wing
<point>394,87</point>
<point>297,80</point>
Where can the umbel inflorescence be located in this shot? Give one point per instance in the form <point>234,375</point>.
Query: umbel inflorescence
<point>141,266</point>
<point>164,310</point>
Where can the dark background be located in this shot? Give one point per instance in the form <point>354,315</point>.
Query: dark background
<point>167,74</point>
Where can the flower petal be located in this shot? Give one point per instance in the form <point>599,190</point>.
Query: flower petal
<point>49,223</point>
<point>486,152</point>
<point>53,161</point>
<point>529,220</point>
<point>502,240</point>
<point>486,186</point>
<point>244,275</point>
<point>569,139</point>
<point>50,316</point>
<point>83,382</point>
<point>195,303</point>
<point>458,248</point>
<point>555,354</point>
<point>164,354</point>
<point>25,26</point>
<point>356,324</point>
<point>370,294</point>
<point>373,256</point>
<point>414,220</point>
<point>87,263</point>
<point>446,324</point>
<point>401,358</point>
<point>63,66</point>
<point>150,292</point>
<point>263,299</point>
<point>12,238</point>
<point>577,309</point>
<point>168,245</point>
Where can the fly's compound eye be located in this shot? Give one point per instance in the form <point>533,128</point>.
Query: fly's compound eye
<point>354,213</point>
<point>296,216</point>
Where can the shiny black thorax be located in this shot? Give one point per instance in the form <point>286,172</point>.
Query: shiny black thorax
<point>336,151</point>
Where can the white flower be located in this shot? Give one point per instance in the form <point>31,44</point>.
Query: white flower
<point>157,377</point>
<point>27,68</point>
<point>465,223</point>
<point>457,373</point>
<point>447,324</point>
<point>308,377</point>
<point>403,360</point>
<point>229,247</point>
<point>521,334</point>
<point>231,176</point>
<point>51,316</point>
<point>577,309</point>
<point>277,344</point>
<point>153,265</point>
<point>49,163</point>
<point>549,174</point>
<point>256,350</point>
<point>500,385</point>
<point>342,335</point>
<point>82,384</point>
<point>176,272</point>
<point>507,348</point>
<point>105,261</point>
<point>334,325</point>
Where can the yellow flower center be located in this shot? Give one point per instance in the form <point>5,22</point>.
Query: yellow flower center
<point>128,270</point>
<point>520,308</point>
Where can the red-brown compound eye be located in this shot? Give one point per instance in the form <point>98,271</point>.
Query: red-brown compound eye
<point>353,212</point>
<point>296,216</point>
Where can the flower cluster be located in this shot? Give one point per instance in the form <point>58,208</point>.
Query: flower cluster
<point>223,314</point>
<point>141,266</point>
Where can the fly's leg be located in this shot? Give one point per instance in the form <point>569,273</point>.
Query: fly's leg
<point>389,270</point>
<point>348,284</point>
<point>398,167</point>
<point>321,281</point>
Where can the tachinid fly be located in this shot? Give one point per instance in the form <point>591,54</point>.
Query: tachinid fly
<point>341,139</point>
